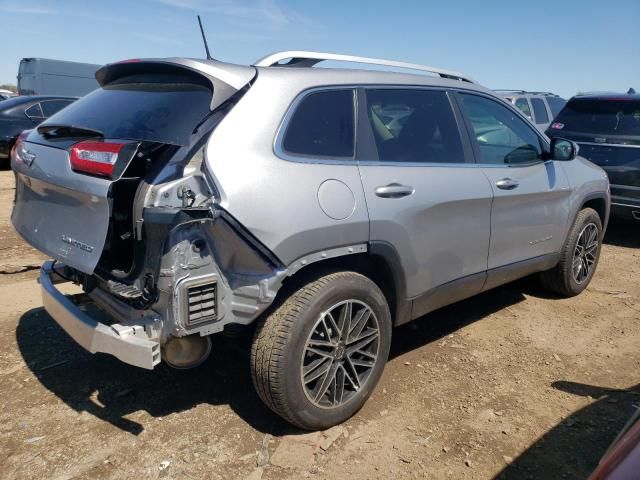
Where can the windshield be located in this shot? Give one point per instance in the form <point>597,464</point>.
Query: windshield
<point>601,116</point>
<point>163,110</point>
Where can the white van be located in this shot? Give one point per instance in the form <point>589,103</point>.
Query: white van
<point>41,76</point>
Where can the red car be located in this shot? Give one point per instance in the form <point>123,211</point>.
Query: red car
<point>622,460</point>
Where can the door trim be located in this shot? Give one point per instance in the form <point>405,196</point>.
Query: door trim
<point>471,285</point>
<point>513,271</point>
<point>450,292</point>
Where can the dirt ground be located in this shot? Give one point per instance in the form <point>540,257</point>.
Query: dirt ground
<point>511,384</point>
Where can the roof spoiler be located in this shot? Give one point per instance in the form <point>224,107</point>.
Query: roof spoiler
<point>225,78</point>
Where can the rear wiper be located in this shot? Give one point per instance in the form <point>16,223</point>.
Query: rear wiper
<point>60,131</point>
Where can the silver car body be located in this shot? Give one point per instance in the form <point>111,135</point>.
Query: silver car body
<point>453,231</point>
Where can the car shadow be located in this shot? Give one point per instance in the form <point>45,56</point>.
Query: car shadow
<point>623,233</point>
<point>573,448</point>
<point>443,322</point>
<point>111,390</point>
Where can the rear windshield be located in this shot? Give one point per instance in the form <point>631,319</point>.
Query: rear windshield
<point>601,116</point>
<point>164,109</point>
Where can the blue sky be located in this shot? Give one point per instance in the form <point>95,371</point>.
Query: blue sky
<point>563,46</point>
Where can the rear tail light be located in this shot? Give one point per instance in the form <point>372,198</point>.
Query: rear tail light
<point>19,151</point>
<point>95,158</point>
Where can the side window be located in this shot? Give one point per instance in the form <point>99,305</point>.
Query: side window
<point>502,136</point>
<point>322,125</point>
<point>53,106</point>
<point>540,110</point>
<point>556,104</point>
<point>34,112</point>
<point>412,125</point>
<point>523,106</point>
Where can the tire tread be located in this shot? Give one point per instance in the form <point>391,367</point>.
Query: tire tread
<point>271,337</point>
<point>557,279</point>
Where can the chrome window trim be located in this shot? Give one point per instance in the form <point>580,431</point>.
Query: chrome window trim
<point>280,152</point>
<point>615,145</point>
<point>626,205</point>
<point>377,163</point>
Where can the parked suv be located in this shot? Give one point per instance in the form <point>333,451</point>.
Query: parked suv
<point>323,206</point>
<point>539,107</point>
<point>607,129</point>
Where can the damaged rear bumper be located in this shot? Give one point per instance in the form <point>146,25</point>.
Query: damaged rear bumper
<point>129,342</point>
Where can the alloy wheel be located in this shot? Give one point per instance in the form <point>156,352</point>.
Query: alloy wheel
<point>340,353</point>
<point>585,253</point>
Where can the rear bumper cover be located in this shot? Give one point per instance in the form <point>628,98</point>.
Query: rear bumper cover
<point>127,342</point>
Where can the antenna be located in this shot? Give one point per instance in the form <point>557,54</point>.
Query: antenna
<point>204,39</point>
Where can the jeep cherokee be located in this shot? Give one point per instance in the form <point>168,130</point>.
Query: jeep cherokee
<point>322,205</point>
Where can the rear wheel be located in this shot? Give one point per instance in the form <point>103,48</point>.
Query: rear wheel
<point>317,357</point>
<point>579,256</point>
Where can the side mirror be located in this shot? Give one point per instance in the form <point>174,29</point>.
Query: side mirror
<point>563,150</point>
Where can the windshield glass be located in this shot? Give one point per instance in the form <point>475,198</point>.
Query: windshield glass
<point>163,110</point>
<point>602,116</point>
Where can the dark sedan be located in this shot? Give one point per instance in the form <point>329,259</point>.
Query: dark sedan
<point>23,113</point>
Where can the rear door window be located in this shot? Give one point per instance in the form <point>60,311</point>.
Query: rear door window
<point>155,108</point>
<point>523,105</point>
<point>34,112</point>
<point>540,110</point>
<point>413,125</point>
<point>556,104</point>
<point>322,125</point>
<point>601,116</point>
<point>51,107</point>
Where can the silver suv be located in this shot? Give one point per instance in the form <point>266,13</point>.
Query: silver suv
<point>321,206</point>
<point>539,107</point>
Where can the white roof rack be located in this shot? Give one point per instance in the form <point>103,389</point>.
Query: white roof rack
<point>299,58</point>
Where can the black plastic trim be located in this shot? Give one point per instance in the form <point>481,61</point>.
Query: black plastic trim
<point>390,255</point>
<point>447,294</point>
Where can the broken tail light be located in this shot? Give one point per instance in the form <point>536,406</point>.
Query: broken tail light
<point>95,158</point>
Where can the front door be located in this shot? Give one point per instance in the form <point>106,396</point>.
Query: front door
<point>424,194</point>
<point>531,196</point>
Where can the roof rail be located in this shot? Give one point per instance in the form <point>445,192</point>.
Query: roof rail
<point>503,90</point>
<point>299,58</point>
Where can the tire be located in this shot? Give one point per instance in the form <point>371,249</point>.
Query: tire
<point>280,351</point>
<point>563,279</point>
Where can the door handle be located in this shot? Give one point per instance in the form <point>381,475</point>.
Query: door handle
<point>394,190</point>
<point>507,184</point>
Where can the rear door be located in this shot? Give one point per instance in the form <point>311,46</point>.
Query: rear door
<point>531,196</point>
<point>65,211</point>
<point>425,195</point>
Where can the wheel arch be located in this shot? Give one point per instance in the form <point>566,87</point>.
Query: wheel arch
<point>380,263</point>
<point>598,202</point>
